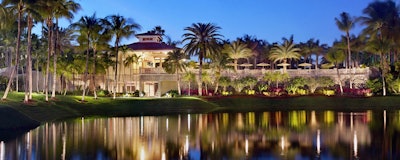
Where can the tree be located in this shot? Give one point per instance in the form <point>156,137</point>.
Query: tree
<point>381,47</point>
<point>284,52</point>
<point>345,24</point>
<point>175,63</point>
<point>86,26</point>
<point>129,61</point>
<point>119,27</point>
<point>336,57</point>
<point>62,9</point>
<point>225,82</point>
<point>237,50</point>
<point>218,63</point>
<point>19,7</point>
<point>276,77</point>
<point>202,41</point>
<point>189,77</point>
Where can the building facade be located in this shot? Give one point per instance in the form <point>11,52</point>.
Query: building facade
<point>146,74</point>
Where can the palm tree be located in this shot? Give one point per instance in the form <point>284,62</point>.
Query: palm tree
<point>336,57</point>
<point>202,41</point>
<point>129,61</point>
<point>189,77</point>
<point>218,63</point>
<point>225,82</point>
<point>345,24</point>
<point>284,52</point>
<point>381,47</point>
<point>62,9</point>
<point>175,63</point>
<point>206,78</point>
<point>19,7</point>
<point>86,26</point>
<point>237,50</point>
<point>119,27</point>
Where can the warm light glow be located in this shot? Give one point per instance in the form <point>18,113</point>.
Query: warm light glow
<point>142,156</point>
<point>141,125</point>
<point>384,119</point>
<point>282,144</point>
<point>355,143</point>
<point>2,150</point>
<point>318,142</point>
<point>313,119</point>
<point>212,146</point>
<point>163,157</point>
<point>189,122</point>
<point>247,146</point>
<point>187,144</point>
<point>166,124</point>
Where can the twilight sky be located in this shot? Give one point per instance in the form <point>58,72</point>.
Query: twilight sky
<point>266,19</point>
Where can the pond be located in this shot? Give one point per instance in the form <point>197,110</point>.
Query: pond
<point>263,135</point>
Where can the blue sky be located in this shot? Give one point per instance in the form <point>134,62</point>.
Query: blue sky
<point>266,19</point>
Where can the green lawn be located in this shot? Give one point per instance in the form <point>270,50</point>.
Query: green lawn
<point>16,115</point>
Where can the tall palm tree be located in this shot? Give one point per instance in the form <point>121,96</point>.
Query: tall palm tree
<point>175,63</point>
<point>19,7</point>
<point>119,27</point>
<point>202,41</point>
<point>284,52</point>
<point>62,9</point>
<point>32,17</point>
<point>381,47</point>
<point>237,50</point>
<point>345,24</point>
<point>86,26</point>
<point>336,57</point>
<point>129,61</point>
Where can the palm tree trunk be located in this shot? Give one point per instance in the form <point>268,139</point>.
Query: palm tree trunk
<point>340,80</point>
<point>28,82</point>
<point>46,81</point>
<point>15,68</point>
<point>199,81</point>
<point>189,89</point>
<point>94,73</point>
<point>116,68</point>
<point>178,81</point>
<point>86,70</point>
<point>37,74</point>
<point>348,50</point>
<point>55,42</point>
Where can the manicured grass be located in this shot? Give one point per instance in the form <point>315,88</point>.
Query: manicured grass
<point>16,115</point>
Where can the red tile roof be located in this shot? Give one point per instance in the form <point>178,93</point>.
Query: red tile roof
<point>150,46</point>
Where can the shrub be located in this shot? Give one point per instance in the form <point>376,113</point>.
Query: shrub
<point>328,92</point>
<point>171,93</point>
<point>103,93</point>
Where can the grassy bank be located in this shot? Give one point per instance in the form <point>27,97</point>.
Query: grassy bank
<point>16,115</point>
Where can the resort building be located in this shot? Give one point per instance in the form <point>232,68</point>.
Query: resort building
<point>146,74</point>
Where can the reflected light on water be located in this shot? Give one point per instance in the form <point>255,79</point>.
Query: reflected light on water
<point>142,155</point>
<point>211,136</point>
<point>247,146</point>
<point>355,143</point>
<point>163,157</point>
<point>282,145</point>
<point>141,125</point>
<point>186,144</point>
<point>166,125</point>
<point>318,142</point>
<point>2,149</point>
<point>188,122</point>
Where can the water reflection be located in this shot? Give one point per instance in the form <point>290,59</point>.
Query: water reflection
<point>266,135</point>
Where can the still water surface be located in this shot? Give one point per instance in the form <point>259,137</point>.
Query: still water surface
<point>262,135</point>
